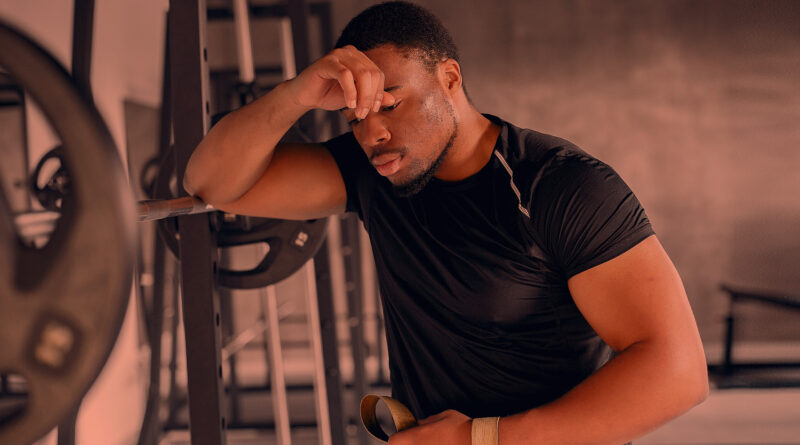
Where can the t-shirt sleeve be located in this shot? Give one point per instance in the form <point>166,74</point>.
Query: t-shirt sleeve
<point>351,159</point>
<point>585,213</point>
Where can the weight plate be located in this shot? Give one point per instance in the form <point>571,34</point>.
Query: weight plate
<point>291,243</point>
<point>61,306</point>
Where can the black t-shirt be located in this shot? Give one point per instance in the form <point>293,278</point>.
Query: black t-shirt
<point>473,273</point>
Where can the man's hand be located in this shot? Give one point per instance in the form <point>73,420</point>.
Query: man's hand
<point>343,78</point>
<point>446,428</point>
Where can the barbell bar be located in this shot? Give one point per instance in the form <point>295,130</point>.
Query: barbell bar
<point>34,224</point>
<point>153,209</point>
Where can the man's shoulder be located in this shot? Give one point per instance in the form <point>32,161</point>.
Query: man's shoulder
<point>533,152</point>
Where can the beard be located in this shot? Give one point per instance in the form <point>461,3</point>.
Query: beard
<point>418,183</point>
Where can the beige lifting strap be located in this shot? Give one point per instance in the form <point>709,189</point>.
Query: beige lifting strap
<point>403,419</point>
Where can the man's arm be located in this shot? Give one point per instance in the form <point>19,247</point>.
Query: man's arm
<point>238,168</point>
<point>637,304</point>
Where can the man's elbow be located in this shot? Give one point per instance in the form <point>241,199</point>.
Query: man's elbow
<point>692,380</point>
<point>194,185</point>
<point>187,186</point>
<point>701,388</point>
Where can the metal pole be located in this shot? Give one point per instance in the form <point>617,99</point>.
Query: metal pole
<point>197,244</point>
<point>324,371</point>
<point>153,209</point>
<point>82,32</point>
<point>226,309</point>
<point>280,402</point>
<point>244,43</point>
<point>355,308</point>
<point>287,50</point>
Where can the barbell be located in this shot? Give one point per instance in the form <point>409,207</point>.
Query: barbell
<point>62,303</point>
<point>290,243</point>
<point>31,225</point>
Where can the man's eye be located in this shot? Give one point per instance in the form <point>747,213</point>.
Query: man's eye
<point>356,120</point>
<point>391,107</point>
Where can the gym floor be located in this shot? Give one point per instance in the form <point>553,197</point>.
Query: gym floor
<point>736,416</point>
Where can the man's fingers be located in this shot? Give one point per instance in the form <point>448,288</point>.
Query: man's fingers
<point>369,80</point>
<point>378,92</point>
<point>345,78</point>
<point>387,100</point>
<point>366,92</point>
<point>360,80</point>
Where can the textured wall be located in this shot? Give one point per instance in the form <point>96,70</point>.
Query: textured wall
<point>695,104</point>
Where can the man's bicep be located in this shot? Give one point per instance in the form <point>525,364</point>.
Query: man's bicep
<point>636,297</point>
<point>302,181</point>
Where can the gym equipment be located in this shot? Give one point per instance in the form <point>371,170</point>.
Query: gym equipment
<point>401,415</point>
<point>58,222</point>
<point>63,303</point>
<point>50,193</point>
<point>291,243</point>
<point>31,225</point>
<point>753,374</point>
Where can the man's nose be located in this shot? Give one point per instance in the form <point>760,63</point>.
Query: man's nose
<point>374,130</point>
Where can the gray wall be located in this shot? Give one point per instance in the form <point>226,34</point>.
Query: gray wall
<point>695,103</point>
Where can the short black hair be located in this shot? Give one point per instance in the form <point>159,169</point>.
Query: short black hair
<point>405,25</point>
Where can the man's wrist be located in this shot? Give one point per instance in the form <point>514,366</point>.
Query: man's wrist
<point>485,431</point>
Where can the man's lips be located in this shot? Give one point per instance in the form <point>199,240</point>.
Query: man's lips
<point>387,164</point>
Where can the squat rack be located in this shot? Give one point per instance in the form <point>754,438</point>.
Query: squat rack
<point>200,303</point>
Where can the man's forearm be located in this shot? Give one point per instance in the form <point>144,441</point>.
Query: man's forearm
<point>640,389</point>
<point>237,151</point>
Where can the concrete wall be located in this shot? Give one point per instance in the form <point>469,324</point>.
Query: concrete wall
<point>695,104</point>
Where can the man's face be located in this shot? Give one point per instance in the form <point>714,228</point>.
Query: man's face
<point>407,141</point>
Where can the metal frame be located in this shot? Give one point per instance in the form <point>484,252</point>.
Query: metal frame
<point>200,303</point>
<point>82,33</point>
<point>355,308</point>
<point>298,12</point>
<point>728,368</point>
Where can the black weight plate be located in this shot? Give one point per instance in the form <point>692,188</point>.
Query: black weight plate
<point>291,243</point>
<point>63,305</point>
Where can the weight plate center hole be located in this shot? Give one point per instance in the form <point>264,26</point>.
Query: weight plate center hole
<point>245,257</point>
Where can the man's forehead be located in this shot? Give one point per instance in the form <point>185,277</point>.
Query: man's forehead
<point>389,57</point>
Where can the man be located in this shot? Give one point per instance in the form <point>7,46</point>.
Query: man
<point>511,262</point>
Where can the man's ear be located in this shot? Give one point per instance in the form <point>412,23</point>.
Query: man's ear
<point>450,75</point>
